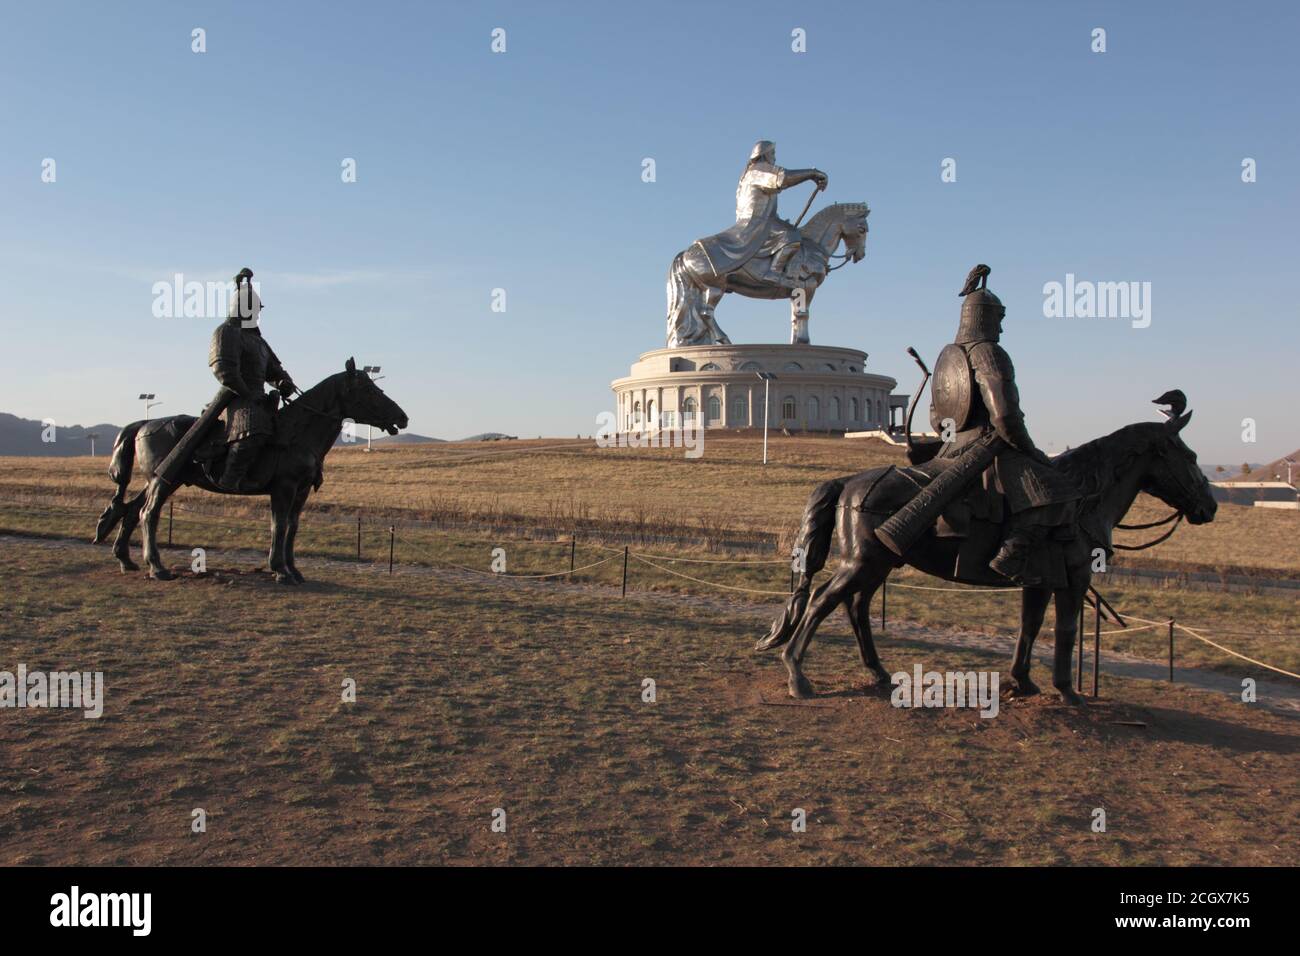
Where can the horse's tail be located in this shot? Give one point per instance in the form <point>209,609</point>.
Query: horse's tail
<point>120,467</point>
<point>684,321</point>
<point>811,549</point>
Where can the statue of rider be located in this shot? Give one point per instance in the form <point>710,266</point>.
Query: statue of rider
<point>243,362</point>
<point>759,231</point>
<point>975,394</point>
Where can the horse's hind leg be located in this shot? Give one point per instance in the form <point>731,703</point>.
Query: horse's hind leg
<point>829,596</point>
<point>156,494</point>
<point>122,543</point>
<point>1033,606</point>
<point>858,611</point>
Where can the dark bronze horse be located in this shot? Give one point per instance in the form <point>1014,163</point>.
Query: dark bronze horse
<point>1147,457</point>
<point>289,468</point>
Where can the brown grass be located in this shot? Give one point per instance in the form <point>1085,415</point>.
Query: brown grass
<point>224,693</point>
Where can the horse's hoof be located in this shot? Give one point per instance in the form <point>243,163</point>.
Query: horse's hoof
<point>882,676</point>
<point>161,574</point>
<point>1071,697</point>
<point>1023,687</point>
<point>801,688</point>
<point>767,643</point>
<point>284,577</point>
<point>128,566</point>
<point>297,577</point>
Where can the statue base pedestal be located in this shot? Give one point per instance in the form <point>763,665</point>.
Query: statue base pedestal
<point>816,388</point>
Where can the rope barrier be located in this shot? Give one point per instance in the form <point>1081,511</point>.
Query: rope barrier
<point>714,584</point>
<point>1226,650</point>
<point>970,590</point>
<point>664,557</point>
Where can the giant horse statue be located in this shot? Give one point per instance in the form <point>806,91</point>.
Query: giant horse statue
<point>287,469</point>
<point>1147,457</point>
<point>762,256</point>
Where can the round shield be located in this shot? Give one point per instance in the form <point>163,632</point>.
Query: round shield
<point>951,388</point>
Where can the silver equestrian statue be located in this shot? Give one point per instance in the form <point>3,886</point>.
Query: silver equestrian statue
<point>762,256</point>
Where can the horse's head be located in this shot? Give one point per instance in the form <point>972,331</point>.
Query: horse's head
<point>1172,473</point>
<point>841,221</point>
<point>361,400</point>
<point>855,230</point>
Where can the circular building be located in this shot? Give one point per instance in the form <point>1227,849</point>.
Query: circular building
<point>813,388</point>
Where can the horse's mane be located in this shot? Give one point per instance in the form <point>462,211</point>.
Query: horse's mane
<point>820,221</point>
<point>1095,464</point>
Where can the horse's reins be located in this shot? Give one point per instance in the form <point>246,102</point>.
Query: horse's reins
<point>1176,518</point>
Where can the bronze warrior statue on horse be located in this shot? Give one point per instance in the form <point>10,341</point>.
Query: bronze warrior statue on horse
<point>982,505</point>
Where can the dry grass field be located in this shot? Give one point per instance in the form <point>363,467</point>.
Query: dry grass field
<point>224,690</point>
<point>224,693</point>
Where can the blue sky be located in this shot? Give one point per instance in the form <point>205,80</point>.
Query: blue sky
<point>522,171</point>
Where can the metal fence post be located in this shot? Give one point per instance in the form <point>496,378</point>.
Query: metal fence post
<point>392,536</point>
<point>884,603</point>
<point>624,570</point>
<point>1096,647</point>
<point>1171,650</point>
<point>1078,636</point>
<point>358,535</point>
<point>573,551</point>
<point>170,506</point>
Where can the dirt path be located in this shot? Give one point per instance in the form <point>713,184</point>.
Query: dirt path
<point>1278,695</point>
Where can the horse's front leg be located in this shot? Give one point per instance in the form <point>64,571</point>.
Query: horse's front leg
<point>291,534</point>
<point>1068,603</point>
<point>281,502</point>
<point>1033,607</point>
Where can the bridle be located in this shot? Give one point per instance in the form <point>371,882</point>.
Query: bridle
<point>1176,517</point>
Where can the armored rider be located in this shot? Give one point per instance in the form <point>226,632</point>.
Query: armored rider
<point>243,362</point>
<point>974,395</point>
<point>759,230</point>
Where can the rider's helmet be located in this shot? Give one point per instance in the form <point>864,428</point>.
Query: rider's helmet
<point>764,151</point>
<point>981,317</point>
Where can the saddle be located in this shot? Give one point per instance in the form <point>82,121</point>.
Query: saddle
<point>978,518</point>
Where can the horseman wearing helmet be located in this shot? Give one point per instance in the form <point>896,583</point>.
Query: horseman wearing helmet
<point>759,231</point>
<point>243,362</point>
<point>975,394</point>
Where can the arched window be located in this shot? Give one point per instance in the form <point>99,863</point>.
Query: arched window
<point>789,408</point>
<point>835,408</point>
<point>751,367</point>
<point>853,409</point>
<point>651,421</point>
<point>739,413</point>
<point>688,412</point>
<point>715,408</point>
<point>880,412</point>
<point>636,414</point>
<point>710,367</point>
<point>829,367</point>
<point>793,367</point>
<point>814,408</point>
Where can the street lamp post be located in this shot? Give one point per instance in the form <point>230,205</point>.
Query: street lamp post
<point>767,379</point>
<point>373,372</point>
<point>148,399</point>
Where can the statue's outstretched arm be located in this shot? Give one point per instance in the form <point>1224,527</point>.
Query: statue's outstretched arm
<point>793,177</point>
